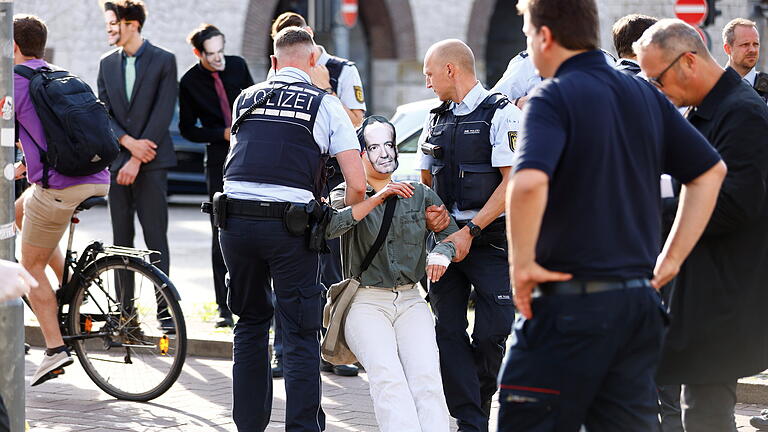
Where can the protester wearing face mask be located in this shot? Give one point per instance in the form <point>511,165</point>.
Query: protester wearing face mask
<point>388,324</point>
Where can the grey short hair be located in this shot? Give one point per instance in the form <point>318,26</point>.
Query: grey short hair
<point>672,36</point>
<point>293,37</point>
<point>730,29</point>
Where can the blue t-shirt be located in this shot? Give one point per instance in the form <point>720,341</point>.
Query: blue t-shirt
<point>604,138</point>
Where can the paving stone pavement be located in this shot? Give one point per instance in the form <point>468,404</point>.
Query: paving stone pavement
<point>200,401</point>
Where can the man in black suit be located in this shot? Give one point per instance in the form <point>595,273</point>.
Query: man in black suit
<point>717,330</point>
<point>137,82</point>
<point>206,94</point>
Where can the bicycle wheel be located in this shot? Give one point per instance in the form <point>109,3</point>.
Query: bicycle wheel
<point>127,328</point>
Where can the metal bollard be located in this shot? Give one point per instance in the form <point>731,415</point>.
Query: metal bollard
<point>12,312</point>
<point>12,361</point>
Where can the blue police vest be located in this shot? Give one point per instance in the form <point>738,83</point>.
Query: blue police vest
<point>464,175</point>
<point>275,144</point>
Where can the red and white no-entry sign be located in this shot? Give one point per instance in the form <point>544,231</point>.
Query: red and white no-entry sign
<point>349,12</point>
<point>694,12</point>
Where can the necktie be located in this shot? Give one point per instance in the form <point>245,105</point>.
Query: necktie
<point>130,76</point>
<point>226,111</point>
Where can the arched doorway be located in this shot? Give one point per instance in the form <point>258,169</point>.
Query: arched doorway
<point>375,40</point>
<point>495,35</point>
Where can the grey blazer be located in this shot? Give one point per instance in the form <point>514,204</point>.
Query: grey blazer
<point>153,101</point>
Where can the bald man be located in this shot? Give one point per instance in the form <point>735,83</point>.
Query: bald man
<point>467,146</point>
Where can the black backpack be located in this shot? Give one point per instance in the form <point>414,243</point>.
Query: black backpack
<point>80,138</point>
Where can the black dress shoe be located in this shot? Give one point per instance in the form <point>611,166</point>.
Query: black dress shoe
<point>345,370</point>
<point>325,366</point>
<point>277,368</point>
<point>225,322</point>
<point>759,422</point>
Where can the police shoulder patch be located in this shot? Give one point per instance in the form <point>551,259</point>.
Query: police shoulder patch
<point>512,140</point>
<point>359,94</point>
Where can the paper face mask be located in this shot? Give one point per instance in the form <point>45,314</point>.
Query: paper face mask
<point>380,147</point>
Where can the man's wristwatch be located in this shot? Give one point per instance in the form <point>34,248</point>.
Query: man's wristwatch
<point>474,230</point>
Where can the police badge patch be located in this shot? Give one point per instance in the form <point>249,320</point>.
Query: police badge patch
<point>359,93</point>
<point>512,140</point>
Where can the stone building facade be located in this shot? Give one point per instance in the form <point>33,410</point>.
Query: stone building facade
<point>388,45</point>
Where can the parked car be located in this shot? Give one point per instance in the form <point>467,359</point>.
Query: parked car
<point>409,121</point>
<point>188,176</point>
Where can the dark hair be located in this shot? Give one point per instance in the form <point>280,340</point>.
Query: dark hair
<point>287,19</point>
<point>627,30</point>
<point>291,36</point>
<point>574,23</point>
<point>202,34</point>
<point>30,34</point>
<point>128,10</point>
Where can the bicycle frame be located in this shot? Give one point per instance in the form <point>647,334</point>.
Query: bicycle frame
<point>76,266</point>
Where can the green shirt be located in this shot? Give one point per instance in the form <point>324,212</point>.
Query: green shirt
<point>402,258</point>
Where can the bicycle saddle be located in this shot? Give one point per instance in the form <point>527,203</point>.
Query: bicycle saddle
<point>91,202</point>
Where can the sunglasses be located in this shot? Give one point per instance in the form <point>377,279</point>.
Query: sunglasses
<point>657,80</point>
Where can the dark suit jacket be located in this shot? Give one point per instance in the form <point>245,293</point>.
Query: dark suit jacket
<point>719,326</point>
<point>153,101</point>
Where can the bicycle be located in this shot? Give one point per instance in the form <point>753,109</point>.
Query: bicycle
<point>121,315</point>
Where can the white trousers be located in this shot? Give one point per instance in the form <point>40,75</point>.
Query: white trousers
<point>393,336</point>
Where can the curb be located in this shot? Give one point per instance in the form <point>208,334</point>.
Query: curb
<point>195,347</point>
<point>748,391</point>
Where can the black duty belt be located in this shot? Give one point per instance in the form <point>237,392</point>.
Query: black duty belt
<point>589,287</point>
<point>256,209</point>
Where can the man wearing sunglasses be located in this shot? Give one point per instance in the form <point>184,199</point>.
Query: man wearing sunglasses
<point>717,320</point>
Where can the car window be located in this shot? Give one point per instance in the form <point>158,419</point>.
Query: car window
<point>410,144</point>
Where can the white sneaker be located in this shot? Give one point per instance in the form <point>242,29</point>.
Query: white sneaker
<point>51,367</point>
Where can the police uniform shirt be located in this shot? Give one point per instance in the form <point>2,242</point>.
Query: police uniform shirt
<point>519,78</point>
<point>333,133</point>
<point>350,87</point>
<point>504,126</point>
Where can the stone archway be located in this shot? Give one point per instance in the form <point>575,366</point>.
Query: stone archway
<point>495,35</point>
<point>391,35</point>
<point>256,39</point>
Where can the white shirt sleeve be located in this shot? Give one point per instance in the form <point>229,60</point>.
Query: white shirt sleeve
<point>505,125</point>
<point>351,88</point>
<point>519,78</point>
<point>425,161</point>
<point>333,129</point>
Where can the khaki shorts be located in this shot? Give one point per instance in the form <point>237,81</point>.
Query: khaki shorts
<point>47,212</point>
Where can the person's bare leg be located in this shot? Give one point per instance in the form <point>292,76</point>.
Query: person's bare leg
<point>42,298</point>
<point>57,258</point>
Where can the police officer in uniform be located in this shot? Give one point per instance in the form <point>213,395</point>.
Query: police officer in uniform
<point>273,176</point>
<point>339,77</point>
<point>467,149</point>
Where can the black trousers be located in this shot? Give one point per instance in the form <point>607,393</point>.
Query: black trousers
<point>255,251</point>
<point>669,408</point>
<point>147,197</point>
<point>470,368</point>
<point>709,407</point>
<point>584,360</point>
<point>214,181</point>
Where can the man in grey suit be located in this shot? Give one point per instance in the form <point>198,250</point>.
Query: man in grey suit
<point>137,82</point>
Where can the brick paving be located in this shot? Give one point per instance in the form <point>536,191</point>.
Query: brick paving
<point>200,401</point>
